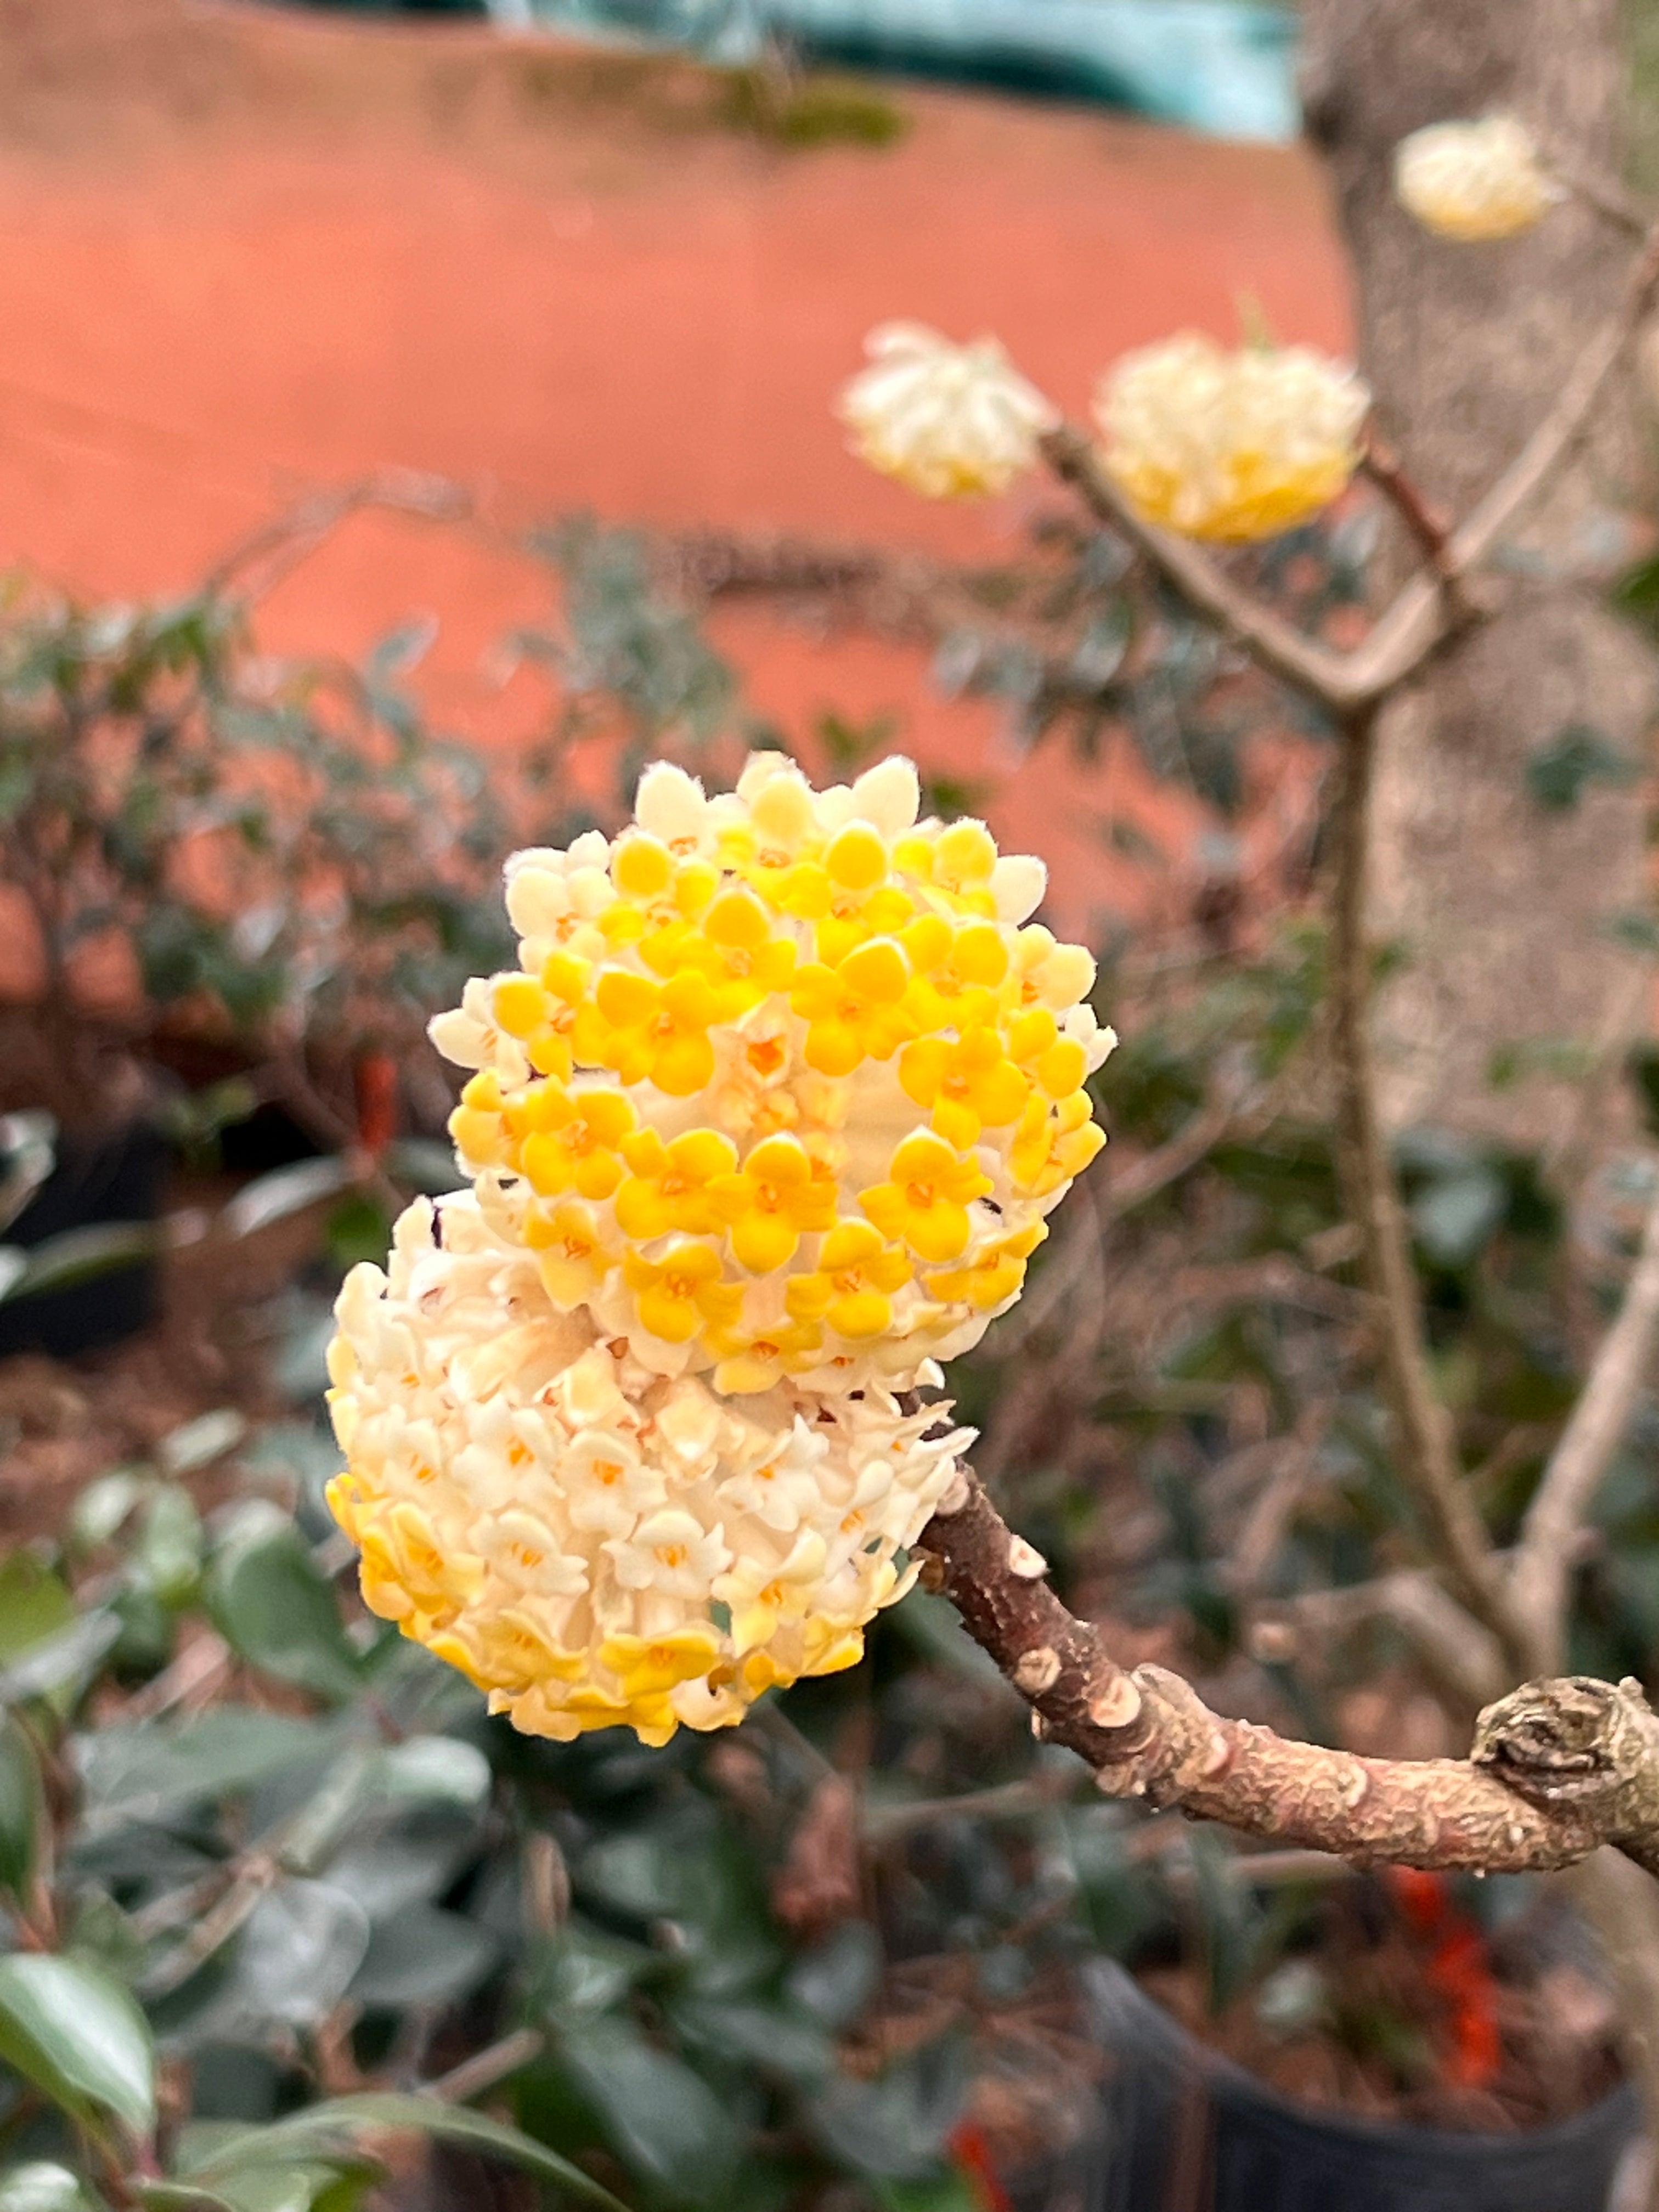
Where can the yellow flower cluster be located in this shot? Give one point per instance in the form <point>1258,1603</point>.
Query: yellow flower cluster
<point>590,1542</point>
<point>1474,181</point>
<point>950,421</point>
<point>787,1082</point>
<point>1229,445</point>
<point>766,1121</point>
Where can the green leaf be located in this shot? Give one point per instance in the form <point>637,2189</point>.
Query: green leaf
<point>271,1198</point>
<point>661,2119</point>
<point>358,1230</point>
<point>56,1668</point>
<point>22,1810</point>
<point>197,1444</point>
<point>33,1605</point>
<point>179,2197</point>
<point>948,2191</point>
<point>80,1255</point>
<point>97,1514</point>
<point>423,1164</point>
<point>145,1770</point>
<point>168,1553</point>
<point>773,2038</point>
<point>1558,771</point>
<point>583,1970</point>
<point>275,1610</point>
<point>895,2127</point>
<point>79,2039</point>
<point>41,2186</point>
<point>422,1956</point>
<point>294,1961</point>
<point>836,1979</point>
<point>320,2125</point>
<point>310,2187</point>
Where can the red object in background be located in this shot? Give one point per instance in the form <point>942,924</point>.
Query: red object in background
<point>376,1080</point>
<point>971,2156</point>
<point>1458,1968</point>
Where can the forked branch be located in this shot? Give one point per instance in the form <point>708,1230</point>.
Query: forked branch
<point>1432,605</point>
<point>1558,1768</point>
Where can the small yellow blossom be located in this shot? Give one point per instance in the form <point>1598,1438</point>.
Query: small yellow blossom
<point>781,1195</point>
<point>573,1255</point>
<point>852,1286</point>
<point>673,1185</point>
<point>853,1011</point>
<point>995,1276</point>
<point>678,1294</point>
<point>1474,181</point>
<point>571,1140</point>
<point>969,1085</point>
<point>948,421</point>
<point>924,1205</point>
<point>1229,445</point>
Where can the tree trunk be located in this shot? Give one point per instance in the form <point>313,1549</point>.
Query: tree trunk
<point>1500,907</point>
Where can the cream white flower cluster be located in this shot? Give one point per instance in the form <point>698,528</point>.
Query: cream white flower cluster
<point>768,1121</point>
<point>590,1542</point>
<point>950,421</point>
<point>1230,445</point>
<point>1475,180</point>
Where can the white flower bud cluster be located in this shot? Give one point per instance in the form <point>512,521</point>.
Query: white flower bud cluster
<point>1474,181</point>
<point>1231,446</point>
<point>950,421</point>
<point>590,1542</point>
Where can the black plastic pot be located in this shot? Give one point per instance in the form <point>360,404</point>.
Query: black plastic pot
<point>1186,2130</point>
<point>111,1183</point>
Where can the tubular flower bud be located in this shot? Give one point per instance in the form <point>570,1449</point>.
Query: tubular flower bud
<point>950,421</point>
<point>1229,445</point>
<point>785,1082</point>
<point>1475,180</point>
<point>593,1543</point>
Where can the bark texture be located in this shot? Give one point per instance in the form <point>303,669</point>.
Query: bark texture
<point>1501,907</point>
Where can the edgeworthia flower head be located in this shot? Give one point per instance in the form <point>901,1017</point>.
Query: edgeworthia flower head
<point>1475,180</point>
<point>592,1543</point>
<point>767,1120</point>
<point>948,419</point>
<point>1229,445</point>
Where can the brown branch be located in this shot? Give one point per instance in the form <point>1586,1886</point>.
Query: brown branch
<point>1428,610</point>
<point>486,2067</point>
<point>1604,193</point>
<point>1274,643</point>
<point>1542,1568</point>
<point>1461,1660</point>
<point>1426,1459</point>
<point>1557,1770</point>
<point>1430,528</point>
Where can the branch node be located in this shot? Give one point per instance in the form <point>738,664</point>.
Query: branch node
<point>1121,1781</point>
<point>957,1494</point>
<point>1039,1670</point>
<point>1575,1744</point>
<point>1118,1704</point>
<point>1025,1560</point>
